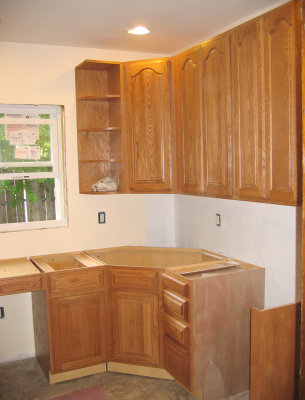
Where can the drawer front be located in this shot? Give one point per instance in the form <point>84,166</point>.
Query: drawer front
<point>180,287</point>
<point>84,280</point>
<point>176,362</point>
<point>175,305</point>
<point>176,330</point>
<point>133,278</point>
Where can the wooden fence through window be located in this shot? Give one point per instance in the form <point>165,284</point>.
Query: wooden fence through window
<point>26,211</point>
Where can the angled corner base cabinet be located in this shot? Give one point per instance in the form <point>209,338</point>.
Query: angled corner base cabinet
<point>169,313</point>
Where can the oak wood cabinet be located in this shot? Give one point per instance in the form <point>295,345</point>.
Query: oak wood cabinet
<point>189,122</point>
<point>76,310</point>
<point>99,124</point>
<point>134,300</point>
<point>248,110</point>
<point>216,114</point>
<point>283,112</point>
<point>148,125</point>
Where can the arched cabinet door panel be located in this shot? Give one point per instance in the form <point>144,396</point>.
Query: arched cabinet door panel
<point>282,74</point>
<point>148,123</point>
<point>188,122</point>
<point>216,112</point>
<point>248,111</point>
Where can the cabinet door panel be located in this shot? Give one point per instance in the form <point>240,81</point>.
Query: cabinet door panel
<point>149,125</point>
<point>282,110</point>
<point>135,328</point>
<point>248,110</point>
<point>216,108</point>
<point>78,331</point>
<point>188,112</point>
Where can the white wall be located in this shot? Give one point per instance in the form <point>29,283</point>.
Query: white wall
<point>262,234</point>
<point>160,217</point>
<point>40,74</point>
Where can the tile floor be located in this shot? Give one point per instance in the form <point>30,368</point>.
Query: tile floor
<point>24,380</point>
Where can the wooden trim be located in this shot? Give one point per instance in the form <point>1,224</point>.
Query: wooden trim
<point>139,370</point>
<point>77,373</point>
<point>21,284</point>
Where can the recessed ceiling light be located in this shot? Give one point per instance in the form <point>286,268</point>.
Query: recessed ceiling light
<point>139,30</point>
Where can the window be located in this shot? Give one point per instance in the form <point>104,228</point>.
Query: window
<point>32,190</point>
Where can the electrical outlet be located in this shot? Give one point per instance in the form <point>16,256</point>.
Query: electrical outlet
<point>218,219</point>
<point>101,216</point>
<point>2,312</point>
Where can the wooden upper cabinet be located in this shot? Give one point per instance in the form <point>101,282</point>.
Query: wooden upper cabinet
<point>282,79</point>
<point>188,121</point>
<point>148,122</point>
<point>248,106</point>
<point>216,110</point>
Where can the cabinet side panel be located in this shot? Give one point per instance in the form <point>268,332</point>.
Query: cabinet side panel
<point>274,336</point>
<point>221,323</point>
<point>41,334</point>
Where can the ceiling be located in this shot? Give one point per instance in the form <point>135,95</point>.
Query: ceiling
<point>174,24</point>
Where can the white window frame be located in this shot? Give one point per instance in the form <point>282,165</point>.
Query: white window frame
<point>56,121</point>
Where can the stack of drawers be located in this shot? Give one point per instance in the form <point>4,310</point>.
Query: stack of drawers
<point>177,328</point>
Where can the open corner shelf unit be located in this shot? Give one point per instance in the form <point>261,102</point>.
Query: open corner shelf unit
<point>98,97</point>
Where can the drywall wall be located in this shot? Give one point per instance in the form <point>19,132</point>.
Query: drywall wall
<point>160,218</point>
<point>262,234</point>
<point>41,74</point>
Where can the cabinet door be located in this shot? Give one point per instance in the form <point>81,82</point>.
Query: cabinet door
<point>78,331</point>
<point>188,114</point>
<point>134,328</point>
<point>148,123</point>
<point>216,109</point>
<point>247,48</point>
<point>282,76</point>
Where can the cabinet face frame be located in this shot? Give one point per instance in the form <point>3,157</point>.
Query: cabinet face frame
<point>216,115</point>
<point>148,125</point>
<point>189,121</point>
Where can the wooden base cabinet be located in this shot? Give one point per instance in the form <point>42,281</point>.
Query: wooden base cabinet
<point>206,321</point>
<point>76,323</point>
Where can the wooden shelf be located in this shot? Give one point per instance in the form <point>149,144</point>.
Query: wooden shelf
<point>105,129</point>
<point>100,98</point>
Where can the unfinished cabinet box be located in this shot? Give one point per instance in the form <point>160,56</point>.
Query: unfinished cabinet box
<point>76,309</point>
<point>206,322</point>
<point>100,152</point>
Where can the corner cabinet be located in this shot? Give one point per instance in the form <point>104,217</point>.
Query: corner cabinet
<point>99,127</point>
<point>148,125</point>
